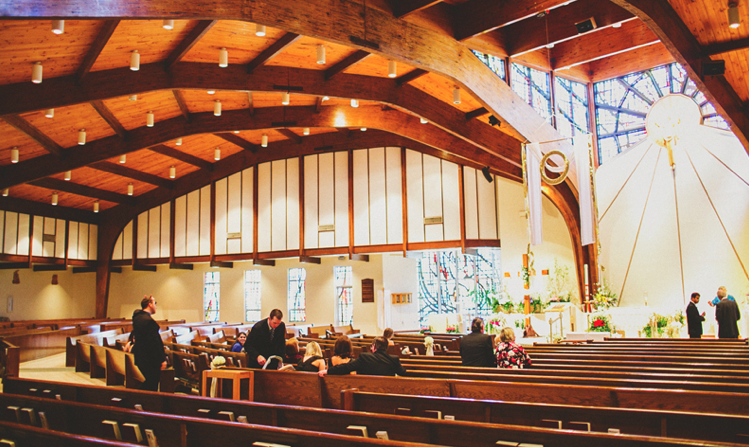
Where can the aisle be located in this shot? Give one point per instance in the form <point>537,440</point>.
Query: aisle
<point>53,368</point>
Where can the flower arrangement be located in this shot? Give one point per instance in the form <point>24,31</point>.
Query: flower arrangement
<point>495,323</point>
<point>429,344</point>
<point>452,330</point>
<point>656,327</point>
<point>218,362</point>
<point>600,323</point>
<point>604,297</point>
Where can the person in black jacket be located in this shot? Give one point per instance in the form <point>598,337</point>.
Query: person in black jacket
<point>694,319</point>
<point>727,313</point>
<point>267,338</point>
<point>148,347</point>
<point>477,348</point>
<point>377,363</point>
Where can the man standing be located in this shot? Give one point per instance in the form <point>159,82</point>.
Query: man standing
<point>267,338</point>
<point>377,363</point>
<point>148,348</point>
<point>694,319</point>
<point>722,293</point>
<point>477,348</point>
<point>727,313</point>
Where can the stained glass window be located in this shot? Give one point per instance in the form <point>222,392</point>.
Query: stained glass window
<point>211,295</point>
<point>533,87</point>
<point>622,104</point>
<point>497,64</point>
<point>451,282</point>
<point>343,278</point>
<point>252,310</point>
<point>571,108</point>
<point>297,296</point>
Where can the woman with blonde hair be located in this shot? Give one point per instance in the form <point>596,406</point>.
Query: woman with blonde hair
<point>313,360</point>
<point>510,354</point>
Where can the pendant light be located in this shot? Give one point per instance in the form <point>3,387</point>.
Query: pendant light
<point>135,60</point>
<point>217,108</point>
<point>223,58</point>
<point>36,73</point>
<point>49,113</point>
<point>58,26</point>
<point>82,137</point>
<point>217,154</point>
<point>264,140</point>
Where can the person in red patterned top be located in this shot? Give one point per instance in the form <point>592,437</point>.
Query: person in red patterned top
<point>509,354</point>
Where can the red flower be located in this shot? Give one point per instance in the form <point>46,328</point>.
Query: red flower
<point>599,323</point>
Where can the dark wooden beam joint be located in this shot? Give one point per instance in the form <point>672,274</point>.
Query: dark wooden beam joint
<point>144,268</point>
<point>272,51</point>
<point>476,113</point>
<point>266,262</point>
<point>178,266</point>
<point>35,134</point>
<point>356,257</point>
<point>50,268</point>
<point>310,259</point>
<point>346,63</point>
<point>109,117</point>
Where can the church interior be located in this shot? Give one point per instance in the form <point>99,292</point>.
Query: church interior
<point>573,169</point>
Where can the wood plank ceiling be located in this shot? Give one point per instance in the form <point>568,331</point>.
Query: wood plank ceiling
<point>88,82</point>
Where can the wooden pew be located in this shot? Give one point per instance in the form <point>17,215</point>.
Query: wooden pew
<point>481,432</point>
<point>70,344</point>
<point>118,367</point>
<point>25,435</point>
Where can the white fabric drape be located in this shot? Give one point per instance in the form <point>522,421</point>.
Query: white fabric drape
<point>533,192</point>
<point>587,214</point>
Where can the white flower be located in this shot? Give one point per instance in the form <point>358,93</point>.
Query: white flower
<point>428,341</point>
<point>218,361</point>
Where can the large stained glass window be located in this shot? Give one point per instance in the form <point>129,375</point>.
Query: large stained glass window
<point>451,282</point>
<point>343,278</point>
<point>571,108</point>
<point>622,104</point>
<point>211,295</point>
<point>497,64</point>
<point>533,86</point>
<point>252,311</point>
<point>296,298</point>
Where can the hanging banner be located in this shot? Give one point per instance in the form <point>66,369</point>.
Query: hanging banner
<point>585,191</point>
<point>533,197</point>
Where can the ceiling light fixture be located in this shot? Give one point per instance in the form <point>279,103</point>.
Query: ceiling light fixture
<point>217,154</point>
<point>130,189</point>
<point>306,131</point>
<point>6,192</point>
<point>734,21</point>
<point>617,25</point>
<point>354,103</point>
<point>68,175</point>
<point>133,98</point>
<point>223,58</point>
<point>96,206</point>
<point>149,119</point>
<point>54,198</point>
<point>217,108</point>
<point>321,54</point>
<point>363,129</point>
<point>135,60</point>
<point>123,159</point>
<point>36,73</point>
<point>285,98</point>
<point>211,92</point>
<point>456,96</point>
<point>168,24</point>
<point>264,140</point>
<point>172,171</point>
<point>82,137</point>
<point>259,30</point>
<point>392,69</point>
<point>49,113</point>
<point>178,141</point>
<point>236,131</point>
<point>325,98</point>
<point>423,120</point>
<point>58,26</point>
<point>14,155</point>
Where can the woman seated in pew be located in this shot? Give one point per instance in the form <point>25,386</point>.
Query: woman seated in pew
<point>388,334</point>
<point>313,360</point>
<point>510,354</point>
<point>239,345</point>
<point>292,352</point>
<point>342,351</point>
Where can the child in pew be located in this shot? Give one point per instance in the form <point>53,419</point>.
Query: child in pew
<point>313,360</point>
<point>510,354</point>
<point>239,345</point>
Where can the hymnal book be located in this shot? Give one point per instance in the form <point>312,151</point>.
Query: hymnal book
<point>357,430</point>
<point>139,407</point>
<point>204,412</point>
<point>449,417</point>
<point>242,419</point>
<point>43,420</point>
<point>507,443</point>
<point>114,428</point>
<point>7,443</point>
<point>17,411</point>
<point>525,444</point>
<point>151,438</point>
<point>116,400</point>
<point>433,414</point>
<point>584,426</point>
<point>131,433</point>
<point>403,411</point>
<point>47,392</point>
<point>551,423</point>
<point>29,415</point>
<point>58,397</point>
<point>614,431</point>
<point>382,435</point>
<point>32,390</point>
<point>226,415</point>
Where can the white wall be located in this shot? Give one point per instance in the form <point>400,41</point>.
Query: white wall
<point>399,275</point>
<point>36,298</point>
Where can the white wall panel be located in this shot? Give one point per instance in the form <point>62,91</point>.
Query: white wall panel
<point>278,205</point>
<point>205,221</point>
<point>83,241</point>
<point>38,235</point>
<point>326,199</point>
<point>451,201</point>
<point>377,197</point>
<point>142,232</point>
<point>264,207</point>
<point>166,216</point>
<point>470,203</point>
<point>73,240</point>
<point>11,232</point>
<point>180,226</point>
<point>292,204</point>
<point>93,242</point>
<point>487,200</point>
<point>393,187</point>
<point>193,224</point>
<point>60,239</point>
<point>24,225</point>
<point>50,228</point>
<point>341,199</point>
<point>117,251</point>
<point>415,196</point>
<point>433,197</point>
<point>127,241</point>
<point>361,197</point>
<point>221,215</point>
<point>2,231</point>
<point>234,204</point>
<point>154,232</point>
<point>247,210</point>
<point>311,201</point>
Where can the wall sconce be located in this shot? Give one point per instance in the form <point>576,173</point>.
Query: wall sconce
<point>16,278</point>
<point>54,280</point>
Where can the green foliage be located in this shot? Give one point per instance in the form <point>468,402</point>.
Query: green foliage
<point>558,283</point>
<point>604,297</point>
<point>600,323</point>
<point>657,323</point>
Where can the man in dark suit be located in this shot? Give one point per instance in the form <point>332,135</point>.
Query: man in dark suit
<point>377,363</point>
<point>694,319</point>
<point>477,348</point>
<point>148,348</point>
<point>727,313</point>
<point>267,338</point>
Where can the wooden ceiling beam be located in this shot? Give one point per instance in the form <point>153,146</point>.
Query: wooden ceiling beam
<point>109,117</point>
<point>481,111</point>
<point>661,18</point>
<point>725,47</point>
<point>345,131</point>
<point>124,171</point>
<point>402,8</point>
<point>81,190</point>
<point>188,42</point>
<point>182,105</point>
<point>290,135</point>
<point>238,141</point>
<point>633,61</point>
<point>251,108</point>
<point>95,50</point>
<point>476,17</point>
<point>35,134</point>
<point>273,50</point>
<point>557,26</point>
<point>46,209</point>
<point>181,156</point>
<point>411,76</point>
<point>350,60</point>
